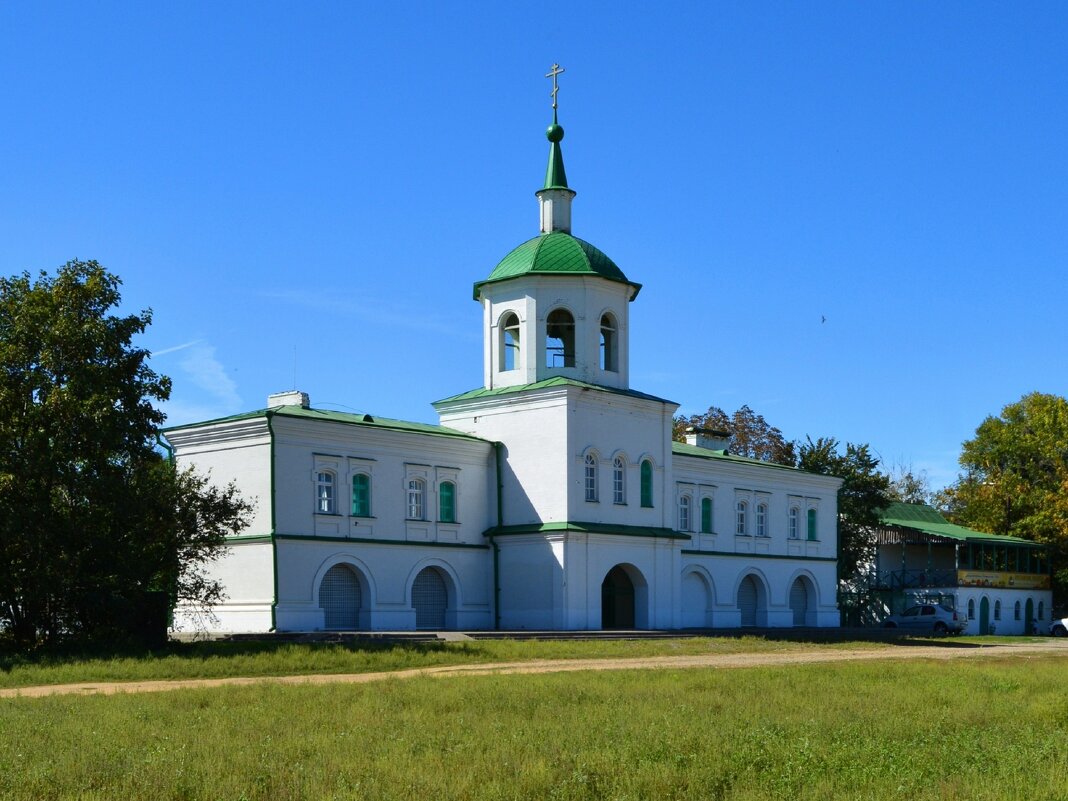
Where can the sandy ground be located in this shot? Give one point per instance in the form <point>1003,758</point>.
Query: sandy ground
<point>946,650</point>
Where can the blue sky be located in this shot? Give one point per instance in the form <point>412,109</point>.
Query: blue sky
<point>304,193</point>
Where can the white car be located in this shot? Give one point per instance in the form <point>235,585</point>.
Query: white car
<point>1059,628</point>
<point>928,617</point>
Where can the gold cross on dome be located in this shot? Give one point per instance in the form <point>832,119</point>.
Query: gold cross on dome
<point>552,73</point>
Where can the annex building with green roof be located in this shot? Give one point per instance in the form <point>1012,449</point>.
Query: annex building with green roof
<point>1001,583</point>
<point>549,497</point>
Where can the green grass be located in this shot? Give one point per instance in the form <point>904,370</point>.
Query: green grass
<point>220,659</point>
<point>980,729</point>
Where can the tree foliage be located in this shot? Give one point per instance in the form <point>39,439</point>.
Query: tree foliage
<point>751,435</point>
<point>92,518</point>
<point>910,486</point>
<point>864,495</point>
<point>1015,478</point>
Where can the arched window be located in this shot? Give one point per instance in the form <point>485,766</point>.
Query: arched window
<point>795,523</point>
<point>361,495</point>
<point>647,484</point>
<point>325,497</point>
<point>971,609</point>
<point>416,499</point>
<point>509,328</point>
<point>684,513</point>
<point>997,610</point>
<point>591,477</point>
<point>619,480</point>
<point>447,502</point>
<point>741,518</point>
<point>762,520</point>
<point>1016,611</point>
<point>609,344</point>
<point>812,533</point>
<point>560,339</point>
<point>706,515</point>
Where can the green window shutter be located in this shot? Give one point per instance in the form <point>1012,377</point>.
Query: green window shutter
<point>812,524</point>
<point>647,484</point>
<point>447,502</point>
<point>706,515</point>
<point>361,495</point>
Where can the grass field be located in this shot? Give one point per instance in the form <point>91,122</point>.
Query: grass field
<point>980,729</point>
<point>218,659</point>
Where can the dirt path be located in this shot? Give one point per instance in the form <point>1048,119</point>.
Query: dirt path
<point>947,650</point>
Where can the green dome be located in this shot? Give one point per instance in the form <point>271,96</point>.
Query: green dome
<point>556,253</point>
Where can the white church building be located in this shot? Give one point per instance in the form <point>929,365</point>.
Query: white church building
<point>550,498</point>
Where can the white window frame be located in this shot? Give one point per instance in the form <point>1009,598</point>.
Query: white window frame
<point>741,518</point>
<point>589,475</point>
<point>326,492</point>
<point>685,513</point>
<point>619,480</point>
<point>762,519</point>
<point>794,522</point>
<point>415,498</point>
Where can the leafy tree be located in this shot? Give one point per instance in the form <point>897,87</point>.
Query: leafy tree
<point>1015,478</point>
<point>864,495</point>
<point>909,486</point>
<point>93,520</point>
<point>751,435</point>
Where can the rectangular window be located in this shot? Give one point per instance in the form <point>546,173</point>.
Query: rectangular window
<point>324,492</point>
<point>447,502</point>
<point>741,524</point>
<point>795,523</point>
<point>416,491</point>
<point>684,513</point>
<point>591,477</point>
<point>762,520</point>
<point>361,495</point>
<point>706,515</point>
<point>812,524</point>
<point>647,484</point>
<point>619,481</point>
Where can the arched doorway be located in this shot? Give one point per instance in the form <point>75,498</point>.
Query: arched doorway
<point>430,599</point>
<point>696,595</point>
<point>1029,617</point>
<point>984,616</point>
<point>799,601</point>
<point>340,598</point>
<point>749,601</point>
<point>617,600</point>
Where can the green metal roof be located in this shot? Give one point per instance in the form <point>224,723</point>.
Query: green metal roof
<point>556,381</point>
<point>921,517</point>
<point>348,418</point>
<point>587,528</point>
<point>683,449</point>
<point>556,253</point>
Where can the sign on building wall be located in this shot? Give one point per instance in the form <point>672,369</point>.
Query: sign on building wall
<point>1013,581</point>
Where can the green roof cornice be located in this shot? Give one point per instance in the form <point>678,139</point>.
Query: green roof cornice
<point>572,526</point>
<point>549,383</point>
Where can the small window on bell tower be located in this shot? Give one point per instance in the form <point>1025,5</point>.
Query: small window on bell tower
<point>560,339</point>
<point>510,342</point>
<point>609,344</point>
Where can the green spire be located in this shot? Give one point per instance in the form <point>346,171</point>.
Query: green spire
<point>555,177</point>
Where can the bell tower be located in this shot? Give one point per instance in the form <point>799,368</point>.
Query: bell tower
<point>556,305</point>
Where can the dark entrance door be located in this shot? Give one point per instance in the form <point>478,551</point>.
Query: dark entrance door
<point>617,600</point>
<point>984,616</point>
<point>1029,615</point>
